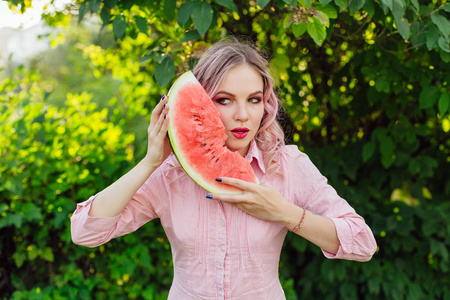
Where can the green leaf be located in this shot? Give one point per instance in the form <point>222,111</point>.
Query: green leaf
<point>369,8</point>
<point>169,9</point>
<point>387,146</point>
<point>445,7</point>
<point>443,103</point>
<point>387,161</point>
<point>202,16</point>
<point>145,259</point>
<point>147,57</point>
<point>82,10</point>
<point>324,2</point>
<point>281,61</point>
<point>299,29</point>
<point>356,5</point>
<point>110,3</point>
<point>105,16</point>
<point>141,24</point>
<point>19,258</point>
<point>31,212</point>
<point>400,3</point>
<point>432,37</point>
<point>12,219</point>
<point>442,23</point>
<point>165,71</point>
<point>190,35</point>
<point>413,167</point>
<point>95,7</point>
<point>416,5</point>
<point>443,44</point>
<point>262,3</point>
<point>428,96</point>
<point>382,85</point>
<point>160,57</point>
<point>368,150</point>
<point>403,28</point>
<point>228,4</point>
<point>329,10</point>
<point>47,254</point>
<point>388,3</point>
<point>342,4</point>
<point>290,2</point>
<point>323,18</point>
<point>317,31</point>
<point>185,12</point>
<point>398,11</point>
<point>119,26</point>
<point>287,21</point>
<point>305,3</point>
<point>444,56</point>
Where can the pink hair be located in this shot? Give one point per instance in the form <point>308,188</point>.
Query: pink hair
<point>211,70</point>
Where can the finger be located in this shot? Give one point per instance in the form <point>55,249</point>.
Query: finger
<point>232,199</point>
<point>157,128</point>
<point>164,126</point>
<point>158,110</point>
<point>240,184</point>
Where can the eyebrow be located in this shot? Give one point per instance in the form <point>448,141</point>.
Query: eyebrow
<point>232,95</point>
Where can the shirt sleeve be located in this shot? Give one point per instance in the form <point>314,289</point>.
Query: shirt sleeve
<point>316,195</point>
<point>145,205</point>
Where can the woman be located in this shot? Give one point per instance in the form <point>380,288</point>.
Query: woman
<point>228,246</point>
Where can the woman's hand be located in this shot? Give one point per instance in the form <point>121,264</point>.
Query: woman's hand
<point>158,145</point>
<point>266,203</point>
<point>260,201</point>
<point>111,201</point>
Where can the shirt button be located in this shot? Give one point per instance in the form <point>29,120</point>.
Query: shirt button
<point>223,224</point>
<point>222,248</point>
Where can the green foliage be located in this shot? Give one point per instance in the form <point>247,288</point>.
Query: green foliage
<point>51,159</point>
<point>366,95</point>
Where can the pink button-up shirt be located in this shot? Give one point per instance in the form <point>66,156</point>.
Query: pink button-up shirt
<point>219,251</point>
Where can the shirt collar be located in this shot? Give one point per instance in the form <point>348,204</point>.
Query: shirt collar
<point>255,153</point>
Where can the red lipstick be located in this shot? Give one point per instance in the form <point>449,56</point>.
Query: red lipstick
<point>240,132</point>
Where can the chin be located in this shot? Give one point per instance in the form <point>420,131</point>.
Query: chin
<point>238,148</point>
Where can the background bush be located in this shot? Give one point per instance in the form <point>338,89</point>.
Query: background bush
<point>366,95</point>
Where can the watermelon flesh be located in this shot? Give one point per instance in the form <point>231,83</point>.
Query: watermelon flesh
<point>197,136</point>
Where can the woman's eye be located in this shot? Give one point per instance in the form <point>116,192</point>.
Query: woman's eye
<point>255,100</point>
<point>223,101</point>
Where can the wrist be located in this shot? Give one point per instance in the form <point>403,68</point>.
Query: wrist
<point>291,216</point>
<point>149,164</point>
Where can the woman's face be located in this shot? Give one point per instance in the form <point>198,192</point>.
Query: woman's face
<point>239,100</point>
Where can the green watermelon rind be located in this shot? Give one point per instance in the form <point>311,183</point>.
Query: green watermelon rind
<point>184,79</point>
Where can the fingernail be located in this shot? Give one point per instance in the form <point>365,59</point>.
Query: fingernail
<point>165,116</point>
<point>219,179</point>
<point>209,196</point>
<point>164,106</point>
<point>163,95</point>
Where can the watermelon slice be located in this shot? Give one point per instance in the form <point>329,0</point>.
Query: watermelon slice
<point>197,137</point>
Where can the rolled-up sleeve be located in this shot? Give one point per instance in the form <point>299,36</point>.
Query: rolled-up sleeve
<point>313,192</point>
<point>356,239</point>
<point>144,206</point>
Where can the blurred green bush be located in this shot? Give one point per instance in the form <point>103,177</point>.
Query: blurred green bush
<point>52,158</point>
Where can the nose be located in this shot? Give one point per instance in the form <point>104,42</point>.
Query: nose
<point>241,112</point>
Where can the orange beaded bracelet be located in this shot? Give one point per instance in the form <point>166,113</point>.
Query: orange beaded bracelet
<point>296,228</point>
